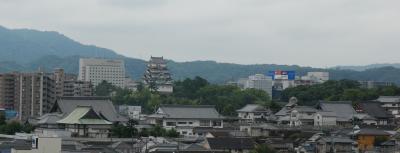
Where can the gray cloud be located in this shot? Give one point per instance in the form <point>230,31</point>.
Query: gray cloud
<point>307,32</point>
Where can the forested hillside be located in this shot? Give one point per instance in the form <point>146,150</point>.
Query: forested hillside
<point>29,50</point>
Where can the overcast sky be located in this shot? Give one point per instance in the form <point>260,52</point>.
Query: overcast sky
<point>319,33</point>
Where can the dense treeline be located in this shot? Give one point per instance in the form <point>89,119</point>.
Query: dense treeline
<point>13,127</point>
<point>337,90</point>
<point>129,131</point>
<point>197,91</point>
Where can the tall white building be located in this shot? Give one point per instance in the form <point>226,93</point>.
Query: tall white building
<point>97,70</point>
<point>258,81</point>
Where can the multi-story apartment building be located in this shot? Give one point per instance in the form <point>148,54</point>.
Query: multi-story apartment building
<point>34,94</point>
<point>66,85</point>
<point>99,70</point>
<point>8,90</point>
<point>157,75</point>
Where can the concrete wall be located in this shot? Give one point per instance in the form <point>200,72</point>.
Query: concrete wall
<point>45,145</point>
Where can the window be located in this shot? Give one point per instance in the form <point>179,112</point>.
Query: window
<point>205,123</point>
<point>171,123</point>
<point>182,122</point>
<point>190,123</point>
<point>217,123</point>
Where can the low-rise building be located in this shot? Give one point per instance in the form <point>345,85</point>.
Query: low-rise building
<point>260,130</point>
<point>230,145</point>
<point>30,144</point>
<point>132,112</point>
<point>366,138</point>
<point>335,144</point>
<point>322,118</point>
<point>184,118</point>
<point>391,104</point>
<point>343,109</point>
<point>302,115</point>
<point>375,110</point>
<point>253,112</point>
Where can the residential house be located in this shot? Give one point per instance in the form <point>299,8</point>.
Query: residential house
<point>302,116</point>
<point>323,118</point>
<point>335,144</point>
<point>206,131</point>
<point>218,134</point>
<point>390,146</point>
<point>260,130</point>
<point>231,145</point>
<point>184,118</point>
<point>375,109</point>
<point>343,109</point>
<point>85,122</point>
<point>283,116</point>
<point>281,145</point>
<point>366,138</point>
<point>391,104</point>
<point>364,119</point>
<point>132,112</point>
<point>296,115</point>
<point>253,112</point>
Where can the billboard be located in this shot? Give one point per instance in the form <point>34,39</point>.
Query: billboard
<point>282,75</point>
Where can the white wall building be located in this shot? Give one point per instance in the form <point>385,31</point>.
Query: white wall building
<point>98,70</point>
<point>323,118</point>
<point>184,118</point>
<point>258,81</point>
<point>253,112</point>
<point>41,145</point>
<point>391,104</point>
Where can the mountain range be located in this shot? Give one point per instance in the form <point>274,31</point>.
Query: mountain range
<point>28,50</point>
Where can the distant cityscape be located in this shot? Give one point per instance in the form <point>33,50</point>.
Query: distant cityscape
<point>68,113</point>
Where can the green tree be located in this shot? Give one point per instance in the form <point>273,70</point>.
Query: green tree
<point>144,133</point>
<point>140,86</point>
<point>380,139</point>
<point>334,90</point>
<point>122,131</point>
<point>157,131</point>
<point>263,148</point>
<point>11,128</point>
<point>104,89</point>
<point>172,133</point>
<point>28,128</point>
<point>153,86</point>
<point>2,119</point>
